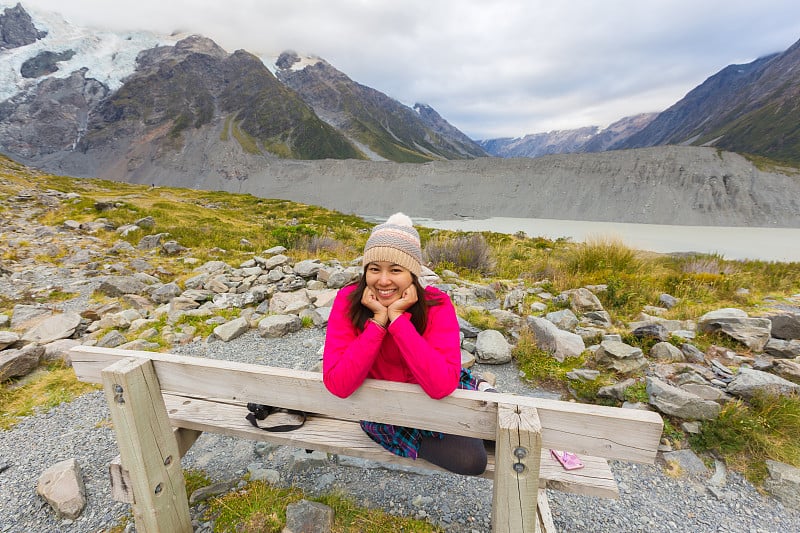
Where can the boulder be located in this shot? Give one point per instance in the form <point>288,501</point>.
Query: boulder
<point>62,487</point>
<point>788,369</point>
<point>165,293</point>
<point>273,326</point>
<point>673,401</point>
<point>116,286</point>
<point>783,349</point>
<point>583,300</point>
<point>307,268</point>
<point>559,343</point>
<point>783,483</point>
<point>308,517</point>
<point>230,330</point>
<point>492,348</point>
<point>664,351</point>
<point>651,331</point>
<point>786,325</point>
<point>735,323</point>
<point>53,328</point>
<point>7,338</point>
<point>282,302</point>
<point>17,363</point>
<point>748,382</point>
<point>564,319</point>
<point>112,339</point>
<point>620,357</point>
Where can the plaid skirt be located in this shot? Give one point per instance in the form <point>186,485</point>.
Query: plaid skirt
<point>405,441</point>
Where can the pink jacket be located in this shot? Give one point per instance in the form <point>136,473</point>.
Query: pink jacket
<point>397,353</point>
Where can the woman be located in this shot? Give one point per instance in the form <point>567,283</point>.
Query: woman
<point>387,326</point>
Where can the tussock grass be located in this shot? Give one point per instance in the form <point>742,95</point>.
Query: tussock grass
<point>470,252</point>
<point>747,434</point>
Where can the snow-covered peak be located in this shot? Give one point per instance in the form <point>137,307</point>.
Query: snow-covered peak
<point>108,56</point>
<point>289,61</point>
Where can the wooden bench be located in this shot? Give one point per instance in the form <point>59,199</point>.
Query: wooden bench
<point>160,404</point>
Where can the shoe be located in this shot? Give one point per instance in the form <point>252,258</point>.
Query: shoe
<point>485,386</point>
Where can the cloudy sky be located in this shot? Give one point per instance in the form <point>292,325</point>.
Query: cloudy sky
<point>491,68</point>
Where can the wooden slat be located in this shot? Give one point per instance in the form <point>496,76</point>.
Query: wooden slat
<point>608,432</point>
<point>346,438</point>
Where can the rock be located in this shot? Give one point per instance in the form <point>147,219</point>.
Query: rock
<point>307,268</point>
<point>7,338</point>
<point>283,302</point>
<point>564,319</point>
<point>620,357</point>
<point>651,331</point>
<point>112,339</point>
<point>150,242</point>
<point>165,293</point>
<point>668,301</point>
<point>783,483</point>
<point>116,286</point>
<point>752,332</point>
<point>308,517</point>
<point>62,487</point>
<point>664,351</point>
<point>23,314</point>
<point>53,328</point>
<point>215,489</point>
<point>273,326</point>
<point>559,343</point>
<point>492,348</point>
<point>598,318</point>
<point>468,330</point>
<point>276,261</point>
<point>230,330</point>
<point>692,353</point>
<point>747,382</point>
<point>172,248</point>
<point>583,300</point>
<point>17,363</point>
<point>677,402</point>
<point>617,390</point>
<point>59,350</point>
<point>783,349</point>
<point>707,392</point>
<point>788,369</point>
<point>785,326</point>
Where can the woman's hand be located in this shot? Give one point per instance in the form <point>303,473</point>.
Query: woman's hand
<point>407,299</point>
<point>379,312</point>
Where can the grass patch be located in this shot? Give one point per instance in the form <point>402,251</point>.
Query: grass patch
<point>260,508</point>
<point>54,384</point>
<point>540,367</point>
<point>469,252</point>
<point>747,434</point>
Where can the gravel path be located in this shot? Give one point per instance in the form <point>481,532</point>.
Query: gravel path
<point>650,500</point>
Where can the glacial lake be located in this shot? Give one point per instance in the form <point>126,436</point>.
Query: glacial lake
<point>765,244</point>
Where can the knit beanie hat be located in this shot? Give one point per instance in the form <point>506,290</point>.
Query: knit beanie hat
<point>396,241</point>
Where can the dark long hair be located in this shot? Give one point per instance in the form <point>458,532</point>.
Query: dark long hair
<point>359,313</point>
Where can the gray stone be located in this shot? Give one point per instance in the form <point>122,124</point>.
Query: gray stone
<point>692,353</point>
<point>17,363</point>
<point>583,300</point>
<point>783,483</point>
<point>707,392</point>
<point>564,319</point>
<point>172,248</point>
<point>7,338</point>
<point>23,314</point>
<point>62,487</point>
<point>215,489</point>
<point>281,301</point>
<point>651,331</point>
<point>598,318</point>
<point>620,357</point>
<point>112,339</point>
<point>668,301</point>
<point>664,351</point>
<point>788,369</point>
<point>59,350</point>
<point>617,390</point>
<point>165,293</point>
<point>492,348</point>
<point>116,286</point>
<point>748,382</point>
<point>5,321</point>
<point>308,517</point>
<point>275,261</point>
<point>783,349</point>
<point>785,326</point>
<point>53,328</point>
<point>468,330</point>
<point>735,323</point>
<point>689,463</point>
<point>273,326</point>
<point>307,268</point>
<point>677,402</point>
<point>150,242</point>
<point>230,330</point>
<point>559,343</point>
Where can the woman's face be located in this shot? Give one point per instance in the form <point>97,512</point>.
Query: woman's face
<point>387,281</point>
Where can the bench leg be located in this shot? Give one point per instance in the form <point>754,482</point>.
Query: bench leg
<point>517,460</point>
<point>147,446</point>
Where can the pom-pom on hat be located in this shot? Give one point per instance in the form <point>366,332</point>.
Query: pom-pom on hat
<point>395,241</point>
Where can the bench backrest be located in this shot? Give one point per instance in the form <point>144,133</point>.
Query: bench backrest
<point>600,431</point>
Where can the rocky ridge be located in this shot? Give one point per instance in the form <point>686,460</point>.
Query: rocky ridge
<point>275,298</point>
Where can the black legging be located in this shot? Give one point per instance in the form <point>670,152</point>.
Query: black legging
<point>462,455</point>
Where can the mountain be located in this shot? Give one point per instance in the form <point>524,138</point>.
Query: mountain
<point>377,123</point>
<point>752,108</point>
<point>83,102</point>
<point>580,140</point>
